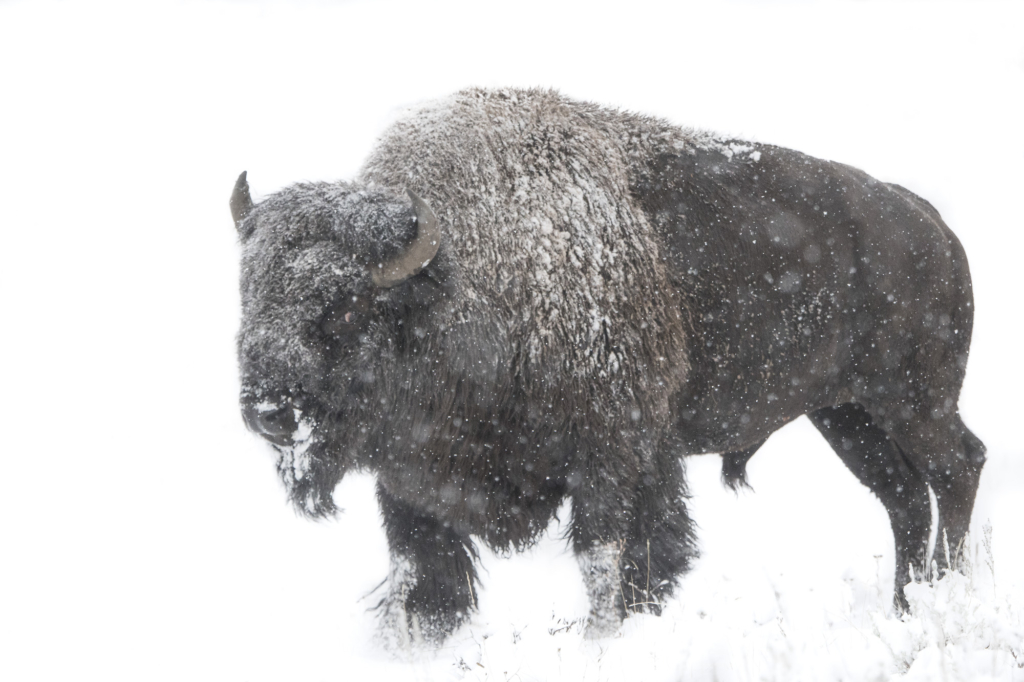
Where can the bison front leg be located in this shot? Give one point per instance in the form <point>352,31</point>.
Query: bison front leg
<point>661,542</point>
<point>431,583</point>
<point>631,534</point>
<point>602,577</point>
<point>601,513</point>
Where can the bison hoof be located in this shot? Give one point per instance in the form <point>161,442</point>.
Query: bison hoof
<point>601,628</point>
<point>900,604</point>
<point>404,629</point>
<point>399,629</point>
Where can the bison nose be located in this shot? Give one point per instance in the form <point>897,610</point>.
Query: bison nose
<point>274,422</point>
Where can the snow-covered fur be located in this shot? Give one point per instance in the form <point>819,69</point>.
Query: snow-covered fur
<point>609,292</point>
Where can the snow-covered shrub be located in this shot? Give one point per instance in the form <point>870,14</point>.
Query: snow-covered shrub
<point>960,626</point>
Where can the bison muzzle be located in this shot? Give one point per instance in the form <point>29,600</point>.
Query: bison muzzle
<point>524,298</point>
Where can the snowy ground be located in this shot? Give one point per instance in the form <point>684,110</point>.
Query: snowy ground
<point>143,534</point>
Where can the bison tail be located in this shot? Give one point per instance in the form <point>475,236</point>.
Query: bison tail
<point>734,467</point>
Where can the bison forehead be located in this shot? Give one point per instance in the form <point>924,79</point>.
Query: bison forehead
<point>301,278</point>
<point>309,245</point>
<point>368,223</point>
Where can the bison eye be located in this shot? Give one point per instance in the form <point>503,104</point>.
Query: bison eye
<point>347,317</point>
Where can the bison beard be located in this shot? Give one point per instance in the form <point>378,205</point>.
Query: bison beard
<point>580,297</point>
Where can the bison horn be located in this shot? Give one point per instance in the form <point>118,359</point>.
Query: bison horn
<point>417,255</point>
<point>241,201</point>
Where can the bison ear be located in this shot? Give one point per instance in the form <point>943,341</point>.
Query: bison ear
<point>241,201</point>
<point>417,255</point>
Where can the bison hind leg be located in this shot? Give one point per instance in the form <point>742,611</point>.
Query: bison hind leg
<point>880,464</point>
<point>734,467</point>
<point>951,458</point>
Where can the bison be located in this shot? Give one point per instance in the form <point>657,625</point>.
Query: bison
<point>524,298</point>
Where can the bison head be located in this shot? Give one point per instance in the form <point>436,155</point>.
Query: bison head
<point>324,269</point>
